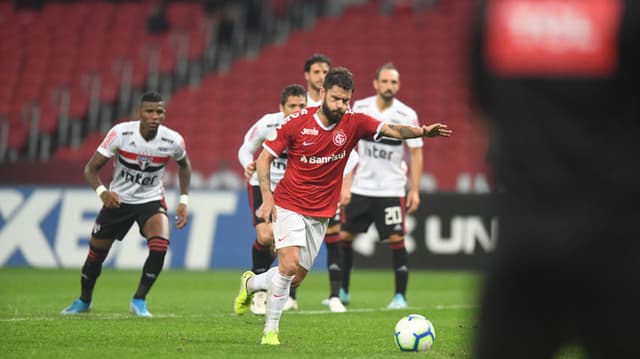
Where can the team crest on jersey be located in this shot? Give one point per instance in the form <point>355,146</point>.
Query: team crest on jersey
<point>339,138</point>
<point>272,136</point>
<point>144,161</point>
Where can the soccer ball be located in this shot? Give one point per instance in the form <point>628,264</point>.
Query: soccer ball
<point>414,333</point>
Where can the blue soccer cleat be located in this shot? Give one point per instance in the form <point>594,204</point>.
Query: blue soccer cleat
<point>139,308</point>
<point>345,297</point>
<point>398,302</point>
<point>78,306</point>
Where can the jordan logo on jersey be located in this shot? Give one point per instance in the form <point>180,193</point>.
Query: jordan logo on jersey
<point>144,161</point>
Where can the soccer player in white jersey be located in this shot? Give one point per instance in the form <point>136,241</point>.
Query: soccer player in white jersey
<point>317,141</point>
<point>379,183</point>
<point>315,69</point>
<point>141,150</point>
<point>292,99</point>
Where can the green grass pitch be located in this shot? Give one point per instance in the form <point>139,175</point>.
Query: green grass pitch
<point>193,317</point>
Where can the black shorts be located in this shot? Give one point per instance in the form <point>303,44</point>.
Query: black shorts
<point>255,201</point>
<point>114,223</point>
<point>386,212</point>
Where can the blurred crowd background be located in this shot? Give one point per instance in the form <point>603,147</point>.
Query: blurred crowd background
<point>71,69</point>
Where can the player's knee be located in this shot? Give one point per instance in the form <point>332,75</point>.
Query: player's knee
<point>158,244</point>
<point>264,235</point>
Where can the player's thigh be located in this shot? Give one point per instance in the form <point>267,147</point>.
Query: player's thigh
<point>152,219</point>
<point>315,230</point>
<point>113,223</point>
<point>288,229</point>
<point>388,215</point>
<point>264,233</point>
<point>357,216</point>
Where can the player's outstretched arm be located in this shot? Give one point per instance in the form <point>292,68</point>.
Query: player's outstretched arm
<point>91,174</point>
<point>184,179</point>
<point>263,168</point>
<point>403,132</point>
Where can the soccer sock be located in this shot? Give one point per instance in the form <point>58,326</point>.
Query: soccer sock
<point>261,257</point>
<point>261,281</point>
<point>293,292</point>
<point>91,271</point>
<point>400,266</point>
<point>276,298</point>
<point>334,263</point>
<point>153,266</point>
<point>347,253</point>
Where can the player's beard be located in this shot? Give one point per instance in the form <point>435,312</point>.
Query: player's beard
<point>388,96</point>
<point>332,116</point>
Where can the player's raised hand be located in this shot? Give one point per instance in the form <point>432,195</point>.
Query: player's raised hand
<point>182,216</point>
<point>110,199</point>
<point>437,129</point>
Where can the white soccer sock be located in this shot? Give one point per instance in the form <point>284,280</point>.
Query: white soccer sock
<point>261,281</point>
<point>277,295</point>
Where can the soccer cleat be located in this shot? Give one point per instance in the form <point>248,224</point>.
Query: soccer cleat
<point>78,306</point>
<point>290,304</point>
<point>243,300</point>
<point>398,302</point>
<point>345,297</point>
<point>259,303</point>
<point>139,308</point>
<point>336,306</point>
<point>270,338</point>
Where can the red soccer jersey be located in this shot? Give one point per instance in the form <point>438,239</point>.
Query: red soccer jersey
<point>316,156</point>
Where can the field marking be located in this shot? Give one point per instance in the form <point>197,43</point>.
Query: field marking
<point>120,316</point>
<point>456,306</point>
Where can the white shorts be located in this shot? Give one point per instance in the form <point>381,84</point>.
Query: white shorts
<point>293,229</point>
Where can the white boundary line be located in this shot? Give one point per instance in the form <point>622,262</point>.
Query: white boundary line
<point>120,316</point>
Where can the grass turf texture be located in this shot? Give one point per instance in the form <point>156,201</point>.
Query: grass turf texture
<point>193,317</point>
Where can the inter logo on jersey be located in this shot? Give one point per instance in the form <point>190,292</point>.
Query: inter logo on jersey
<point>339,138</point>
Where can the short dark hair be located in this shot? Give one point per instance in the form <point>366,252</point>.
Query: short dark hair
<point>387,66</point>
<point>292,90</point>
<point>314,59</point>
<point>151,96</point>
<point>339,76</point>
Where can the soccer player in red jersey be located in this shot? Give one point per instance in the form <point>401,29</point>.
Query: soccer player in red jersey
<point>318,142</point>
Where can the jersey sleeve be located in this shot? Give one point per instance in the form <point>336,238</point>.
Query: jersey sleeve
<point>253,139</point>
<point>109,144</point>
<point>180,150</point>
<point>369,127</point>
<point>414,142</point>
<point>278,140</point>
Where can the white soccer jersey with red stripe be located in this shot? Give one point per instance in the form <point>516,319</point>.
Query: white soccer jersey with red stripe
<point>139,164</point>
<point>382,171</point>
